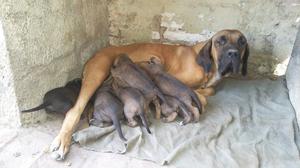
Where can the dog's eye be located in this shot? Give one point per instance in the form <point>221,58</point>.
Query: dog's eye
<point>222,40</point>
<point>241,41</point>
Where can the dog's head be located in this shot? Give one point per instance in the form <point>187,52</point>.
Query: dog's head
<point>227,49</point>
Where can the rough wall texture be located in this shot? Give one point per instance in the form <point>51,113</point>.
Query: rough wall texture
<point>270,26</point>
<point>48,42</point>
<point>8,101</point>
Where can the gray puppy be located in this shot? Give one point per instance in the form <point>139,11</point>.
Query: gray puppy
<point>126,73</point>
<point>169,85</point>
<point>134,104</point>
<point>108,110</point>
<point>174,107</point>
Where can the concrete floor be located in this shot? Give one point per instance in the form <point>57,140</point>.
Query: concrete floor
<point>28,148</point>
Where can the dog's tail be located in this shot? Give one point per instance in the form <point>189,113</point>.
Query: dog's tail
<point>117,125</point>
<point>144,121</point>
<point>42,106</point>
<point>195,98</point>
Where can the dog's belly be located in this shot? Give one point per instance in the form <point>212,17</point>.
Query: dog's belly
<point>191,75</point>
<point>179,61</point>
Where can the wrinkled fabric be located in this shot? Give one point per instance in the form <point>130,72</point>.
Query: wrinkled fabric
<point>292,77</point>
<point>247,124</point>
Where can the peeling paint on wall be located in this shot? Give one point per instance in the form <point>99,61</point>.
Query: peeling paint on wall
<point>174,33</point>
<point>270,26</point>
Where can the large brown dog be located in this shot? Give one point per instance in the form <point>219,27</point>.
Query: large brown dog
<point>200,66</point>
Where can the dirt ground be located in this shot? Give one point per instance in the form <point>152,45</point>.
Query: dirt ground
<point>28,148</point>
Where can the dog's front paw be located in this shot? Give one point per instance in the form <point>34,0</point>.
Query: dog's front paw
<point>60,147</point>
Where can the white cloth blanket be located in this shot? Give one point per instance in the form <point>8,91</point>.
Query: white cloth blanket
<point>247,124</point>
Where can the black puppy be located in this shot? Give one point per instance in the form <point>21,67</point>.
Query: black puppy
<point>108,110</point>
<point>60,100</point>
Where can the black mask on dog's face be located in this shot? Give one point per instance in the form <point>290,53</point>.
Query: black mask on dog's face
<point>231,49</point>
<point>228,49</point>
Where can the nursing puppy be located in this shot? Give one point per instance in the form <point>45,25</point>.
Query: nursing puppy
<point>169,85</point>
<point>128,74</point>
<point>108,110</point>
<point>61,99</point>
<point>134,104</point>
<point>172,108</point>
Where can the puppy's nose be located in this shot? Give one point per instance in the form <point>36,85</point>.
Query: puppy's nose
<point>232,53</point>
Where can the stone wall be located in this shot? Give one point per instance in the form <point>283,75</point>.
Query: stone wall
<point>48,43</point>
<point>270,26</point>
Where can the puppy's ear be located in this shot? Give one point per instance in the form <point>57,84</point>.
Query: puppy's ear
<point>155,60</point>
<point>245,61</point>
<point>118,59</point>
<point>204,57</point>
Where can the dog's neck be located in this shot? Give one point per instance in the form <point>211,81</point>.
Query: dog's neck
<point>198,46</point>
<point>213,76</point>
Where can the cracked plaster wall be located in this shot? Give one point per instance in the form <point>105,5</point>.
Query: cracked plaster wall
<point>269,25</point>
<point>47,44</point>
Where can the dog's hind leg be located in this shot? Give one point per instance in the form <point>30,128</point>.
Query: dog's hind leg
<point>95,72</point>
<point>206,91</point>
<point>194,110</point>
<point>170,118</point>
<point>130,113</point>
<point>157,108</point>
<point>202,100</point>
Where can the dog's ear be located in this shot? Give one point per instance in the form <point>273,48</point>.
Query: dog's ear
<point>155,60</point>
<point>204,57</point>
<point>245,61</point>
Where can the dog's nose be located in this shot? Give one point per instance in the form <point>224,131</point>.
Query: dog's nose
<point>232,53</point>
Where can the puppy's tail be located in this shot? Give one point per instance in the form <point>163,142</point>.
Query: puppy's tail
<point>42,106</point>
<point>186,113</point>
<point>144,121</point>
<point>160,95</point>
<point>196,100</point>
<point>117,125</point>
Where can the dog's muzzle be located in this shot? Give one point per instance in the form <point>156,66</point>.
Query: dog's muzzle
<point>230,62</point>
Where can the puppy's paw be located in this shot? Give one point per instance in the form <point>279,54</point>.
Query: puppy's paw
<point>164,119</point>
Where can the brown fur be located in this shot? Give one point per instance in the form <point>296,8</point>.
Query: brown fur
<point>178,60</point>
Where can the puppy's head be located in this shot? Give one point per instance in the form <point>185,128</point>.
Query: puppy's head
<point>228,49</point>
<point>121,59</point>
<point>153,66</point>
<point>75,84</point>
